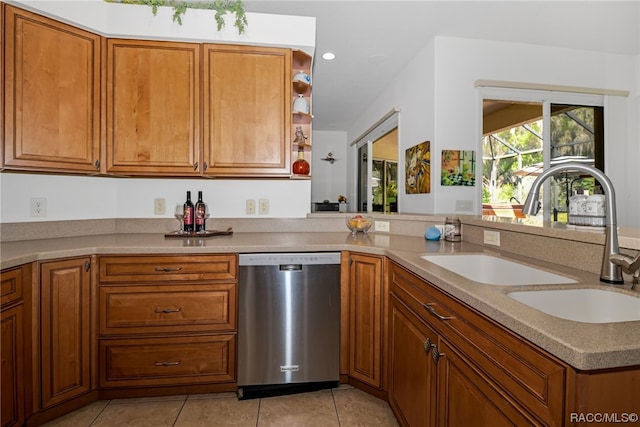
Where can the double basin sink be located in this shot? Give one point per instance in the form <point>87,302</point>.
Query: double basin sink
<point>579,304</point>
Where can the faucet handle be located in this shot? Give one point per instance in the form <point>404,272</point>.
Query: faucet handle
<point>629,265</point>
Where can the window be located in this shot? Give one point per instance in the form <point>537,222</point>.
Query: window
<point>531,131</point>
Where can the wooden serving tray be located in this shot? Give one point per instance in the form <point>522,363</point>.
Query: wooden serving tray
<point>193,234</point>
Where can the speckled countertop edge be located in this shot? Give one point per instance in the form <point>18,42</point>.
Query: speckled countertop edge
<point>582,345</point>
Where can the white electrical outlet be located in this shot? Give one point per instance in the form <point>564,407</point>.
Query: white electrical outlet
<point>492,238</point>
<point>381,226</point>
<point>159,206</point>
<point>38,207</point>
<point>263,206</point>
<point>250,207</point>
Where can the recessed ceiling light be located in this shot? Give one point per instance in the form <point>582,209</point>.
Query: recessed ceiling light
<point>328,56</point>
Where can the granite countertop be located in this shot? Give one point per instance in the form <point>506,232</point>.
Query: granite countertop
<point>584,346</point>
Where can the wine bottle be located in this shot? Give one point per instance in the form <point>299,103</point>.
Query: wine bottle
<point>188,214</point>
<point>199,213</point>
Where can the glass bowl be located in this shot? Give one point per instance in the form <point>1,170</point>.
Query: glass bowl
<point>358,223</point>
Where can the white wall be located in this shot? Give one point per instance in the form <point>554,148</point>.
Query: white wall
<point>329,180</point>
<point>80,197</point>
<point>412,93</point>
<point>438,102</point>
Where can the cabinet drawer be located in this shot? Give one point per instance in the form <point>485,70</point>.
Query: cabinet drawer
<point>529,374</point>
<point>167,308</point>
<point>11,285</point>
<point>118,269</point>
<point>167,361</point>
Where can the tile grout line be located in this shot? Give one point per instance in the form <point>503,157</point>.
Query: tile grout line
<point>180,411</point>
<point>258,414</point>
<point>335,407</point>
<point>99,413</point>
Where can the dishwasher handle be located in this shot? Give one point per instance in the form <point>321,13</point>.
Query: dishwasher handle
<point>290,267</point>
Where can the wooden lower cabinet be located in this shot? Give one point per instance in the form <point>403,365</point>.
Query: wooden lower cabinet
<point>65,330</point>
<point>367,296</point>
<point>12,351</point>
<point>15,348</point>
<point>467,397</point>
<point>139,362</point>
<point>412,375</point>
<point>485,374</point>
<point>167,320</point>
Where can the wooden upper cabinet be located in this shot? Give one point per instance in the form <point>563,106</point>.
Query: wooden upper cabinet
<point>153,107</point>
<point>51,95</point>
<point>247,110</point>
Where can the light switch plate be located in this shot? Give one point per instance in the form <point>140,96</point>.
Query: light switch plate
<point>263,206</point>
<point>250,207</point>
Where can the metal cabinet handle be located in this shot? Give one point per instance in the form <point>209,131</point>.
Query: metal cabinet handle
<point>167,310</point>
<point>87,266</point>
<point>429,307</point>
<point>195,166</point>
<point>167,363</point>
<point>427,345</point>
<point>436,354</point>
<point>168,269</point>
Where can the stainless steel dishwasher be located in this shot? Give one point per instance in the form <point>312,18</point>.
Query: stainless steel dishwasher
<point>288,323</point>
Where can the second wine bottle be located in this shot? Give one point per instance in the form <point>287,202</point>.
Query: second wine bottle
<point>199,213</point>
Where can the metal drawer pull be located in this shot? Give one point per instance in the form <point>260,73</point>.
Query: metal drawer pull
<point>167,310</point>
<point>429,307</point>
<point>427,345</point>
<point>167,363</point>
<point>436,354</point>
<point>167,269</point>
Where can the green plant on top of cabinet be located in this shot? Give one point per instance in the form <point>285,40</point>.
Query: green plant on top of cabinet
<point>153,108</point>
<point>51,95</point>
<point>247,111</point>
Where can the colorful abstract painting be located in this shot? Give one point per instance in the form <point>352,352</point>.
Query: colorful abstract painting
<point>458,168</point>
<point>418,168</point>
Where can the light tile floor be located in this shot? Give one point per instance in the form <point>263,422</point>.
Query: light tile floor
<point>344,406</point>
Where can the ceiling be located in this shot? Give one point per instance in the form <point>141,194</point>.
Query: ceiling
<point>374,40</point>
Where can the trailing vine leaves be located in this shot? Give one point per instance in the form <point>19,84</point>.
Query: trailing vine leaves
<point>180,7</point>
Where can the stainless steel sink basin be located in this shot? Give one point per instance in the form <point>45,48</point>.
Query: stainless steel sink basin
<point>493,270</point>
<point>583,305</point>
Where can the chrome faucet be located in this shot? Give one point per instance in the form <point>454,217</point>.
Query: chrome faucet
<point>611,271</point>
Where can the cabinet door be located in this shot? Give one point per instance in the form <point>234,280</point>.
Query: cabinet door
<point>247,110</point>
<point>412,372</point>
<point>365,323</point>
<point>12,367</point>
<point>467,397</point>
<point>153,107</point>
<point>52,95</point>
<point>65,328</point>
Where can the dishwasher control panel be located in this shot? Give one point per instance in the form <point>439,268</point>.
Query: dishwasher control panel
<point>305,258</point>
